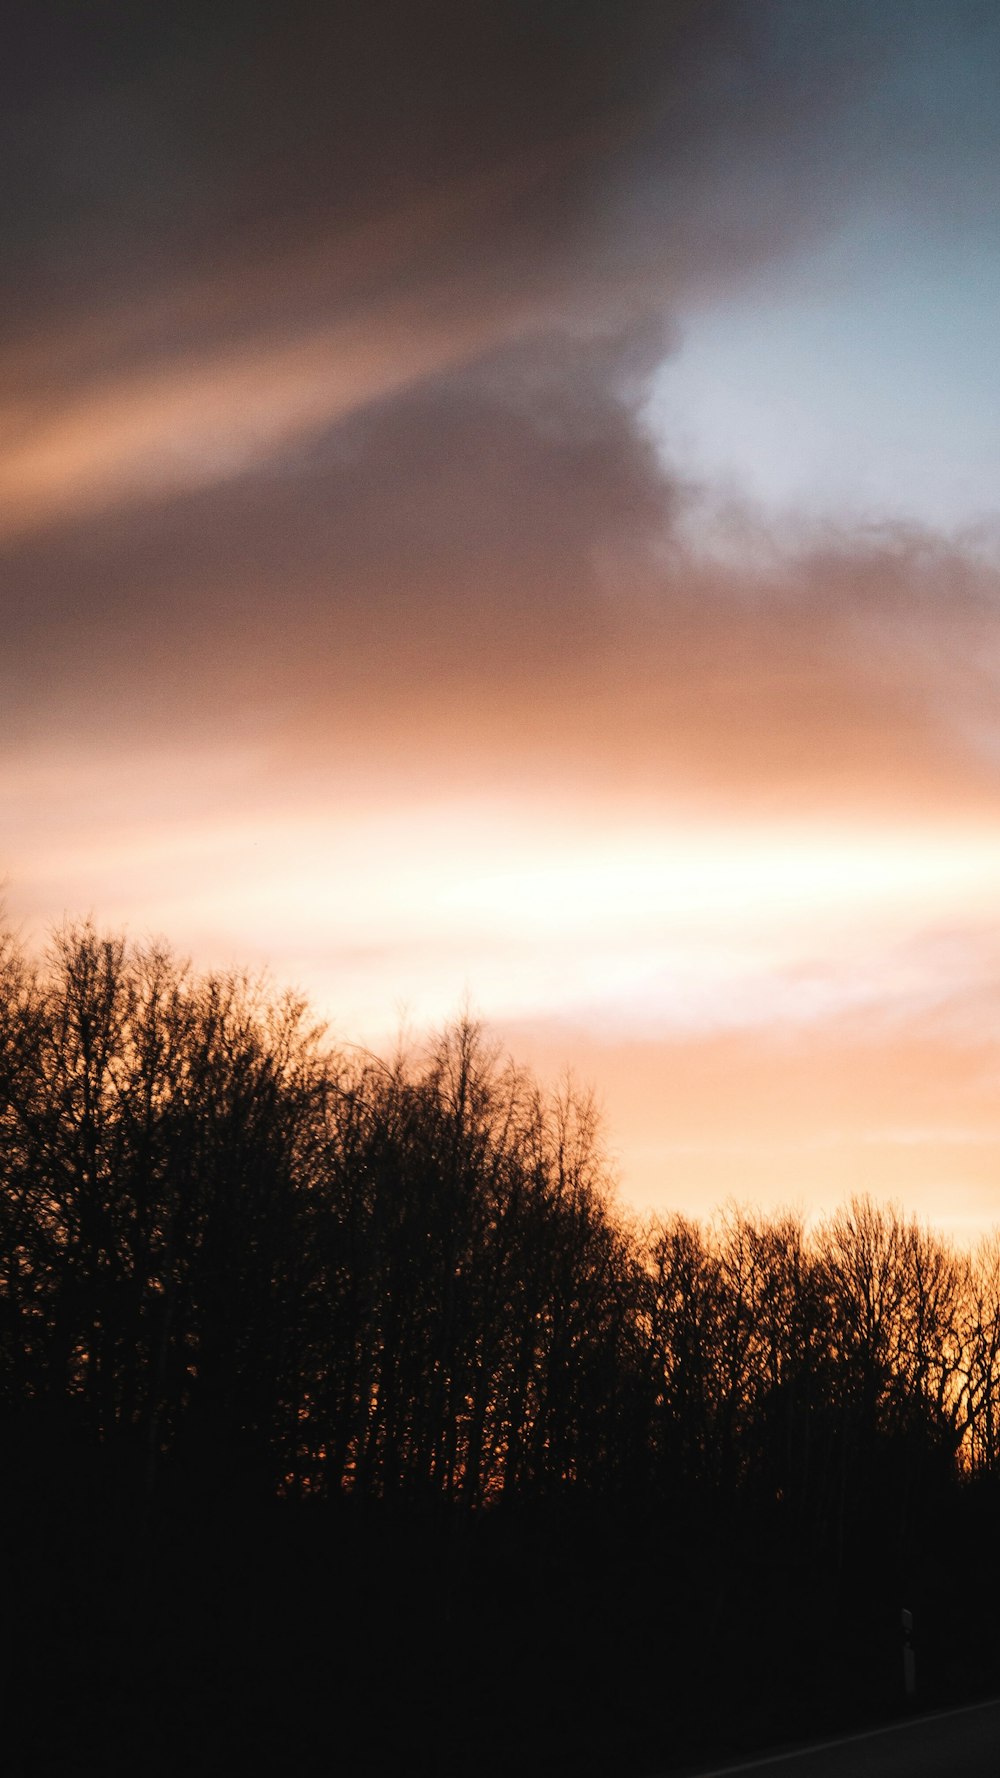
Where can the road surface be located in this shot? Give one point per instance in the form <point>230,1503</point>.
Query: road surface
<point>950,1744</point>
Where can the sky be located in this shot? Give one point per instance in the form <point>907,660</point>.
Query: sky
<point>499,507</point>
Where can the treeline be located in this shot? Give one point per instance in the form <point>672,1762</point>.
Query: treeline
<point>410,1278</point>
<point>238,1266</point>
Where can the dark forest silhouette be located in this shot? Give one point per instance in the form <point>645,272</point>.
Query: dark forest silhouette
<point>348,1420</point>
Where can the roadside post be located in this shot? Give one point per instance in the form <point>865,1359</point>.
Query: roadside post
<point>909,1658</point>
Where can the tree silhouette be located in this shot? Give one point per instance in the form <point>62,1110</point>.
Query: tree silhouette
<point>386,1320</point>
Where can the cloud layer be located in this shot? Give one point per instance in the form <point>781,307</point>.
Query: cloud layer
<point>339,548</point>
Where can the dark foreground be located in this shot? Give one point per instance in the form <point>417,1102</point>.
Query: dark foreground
<point>208,1633</point>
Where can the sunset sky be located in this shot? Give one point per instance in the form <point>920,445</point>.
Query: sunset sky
<point>499,502</point>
